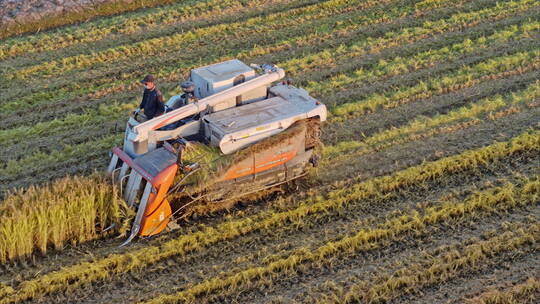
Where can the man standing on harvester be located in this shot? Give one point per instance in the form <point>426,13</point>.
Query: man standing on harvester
<point>152,101</point>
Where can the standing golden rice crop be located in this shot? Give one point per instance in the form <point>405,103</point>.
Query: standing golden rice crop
<point>70,210</point>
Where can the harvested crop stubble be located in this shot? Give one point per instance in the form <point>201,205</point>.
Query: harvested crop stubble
<point>90,117</point>
<point>181,12</point>
<point>401,65</point>
<point>176,67</point>
<point>465,77</point>
<point>525,292</point>
<point>372,46</point>
<point>325,28</point>
<point>20,165</point>
<point>497,199</point>
<point>405,80</point>
<point>268,39</point>
<point>438,268</point>
<point>39,161</point>
<point>74,120</point>
<point>169,69</point>
<point>184,12</point>
<point>380,71</point>
<point>176,41</point>
<point>87,272</point>
<point>70,210</point>
<point>423,126</point>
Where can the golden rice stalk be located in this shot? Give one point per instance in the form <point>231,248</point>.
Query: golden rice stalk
<point>72,209</point>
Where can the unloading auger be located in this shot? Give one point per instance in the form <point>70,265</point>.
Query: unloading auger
<point>234,131</point>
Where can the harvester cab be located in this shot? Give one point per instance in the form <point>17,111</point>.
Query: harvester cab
<point>234,131</point>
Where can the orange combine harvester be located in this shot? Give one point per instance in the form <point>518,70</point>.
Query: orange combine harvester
<point>235,130</point>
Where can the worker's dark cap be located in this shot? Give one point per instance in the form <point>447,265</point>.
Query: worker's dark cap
<point>148,78</point>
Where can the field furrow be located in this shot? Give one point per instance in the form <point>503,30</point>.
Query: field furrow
<point>467,76</point>
<point>444,266</point>
<point>336,200</point>
<point>363,240</point>
<point>339,273</point>
<point>331,27</point>
<point>95,149</point>
<point>312,233</point>
<point>377,73</point>
<point>177,17</point>
<point>422,127</point>
<point>511,271</point>
<point>174,42</point>
<point>174,66</point>
<point>460,79</point>
<point>527,291</point>
<point>89,12</point>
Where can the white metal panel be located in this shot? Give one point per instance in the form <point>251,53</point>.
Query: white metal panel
<point>123,171</point>
<point>140,212</point>
<point>112,164</point>
<point>252,115</point>
<point>217,77</point>
<point>235,128</point>
<point>132,188</point>
<point>223,71</point>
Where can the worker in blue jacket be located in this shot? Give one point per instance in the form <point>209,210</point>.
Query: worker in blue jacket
<point>152,101</point>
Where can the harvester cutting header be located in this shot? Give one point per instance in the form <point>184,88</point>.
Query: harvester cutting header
<point>231,133</point>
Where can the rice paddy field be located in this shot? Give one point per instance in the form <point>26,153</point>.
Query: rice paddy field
<point>428,190</point>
